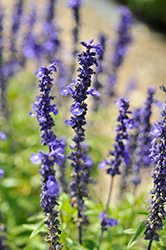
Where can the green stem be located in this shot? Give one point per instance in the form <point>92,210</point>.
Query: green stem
<point>109,195</point>
<point>106,209</point>
<point>101,239</point>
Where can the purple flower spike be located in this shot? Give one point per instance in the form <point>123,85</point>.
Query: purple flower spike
<point>80,161</point>
<point>120,153</point>
<point>124,40</point>
<point>156,209</point>
<point>141,154</point>
<point>42,111</point>
<point>97,82</point>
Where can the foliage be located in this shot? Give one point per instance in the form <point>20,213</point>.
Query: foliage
<point>152,11</point>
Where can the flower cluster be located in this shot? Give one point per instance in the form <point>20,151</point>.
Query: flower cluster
<point>62,169</point>
<point>41,110</point>
<point>80,162</point>
<point>75,5</point>
<point>97,82</point>
<point>120,152</point>
<point>141,153</point>
<point>106,222</point>
<point>130,146</point>
<point>124,40</point>
<point>157,211</point>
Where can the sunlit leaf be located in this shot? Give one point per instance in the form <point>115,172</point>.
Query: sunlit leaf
<point>140,229</point>
<point>73,245</point>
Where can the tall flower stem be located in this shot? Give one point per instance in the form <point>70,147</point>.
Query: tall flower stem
<point>157,212</point>
<point>106,210</point>
<point>109,195</point>
<point>117,155</point>
<point>80,161</point>
<point>141,157</point>
<point>42,111</point>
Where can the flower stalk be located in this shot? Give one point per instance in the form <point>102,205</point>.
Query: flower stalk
<point>50,187</point>
<point>80,161</point>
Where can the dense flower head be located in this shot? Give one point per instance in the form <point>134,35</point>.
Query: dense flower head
<point>143,139</point>
<point>158,156</point>
<point>97,82</point>
<point>62,168</point>
<point>80,161</point>
<point>50,187</point>
<point>43,107</point>
<point>80,88</point>
<point>120,152</point>
<point>124,39</point>
<point>124,36</point>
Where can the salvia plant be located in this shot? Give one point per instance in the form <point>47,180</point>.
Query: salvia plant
<point>156,209</point>
<point>79,158</point>
<point>69,194</point>
<point>50,187</point>
<point>120,50</point>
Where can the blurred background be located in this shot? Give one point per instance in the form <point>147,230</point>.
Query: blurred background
<point>144,64</point>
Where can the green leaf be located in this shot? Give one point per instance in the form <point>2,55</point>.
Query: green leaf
<point>12,182</point>
<point>143,212</point>
<point>131,198</point>
<point>36,217</point>
<point>73,245</point>
<point>38,229</point>
<point>128,231</point>
<point>137,234</point>
<point>92,212</point>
